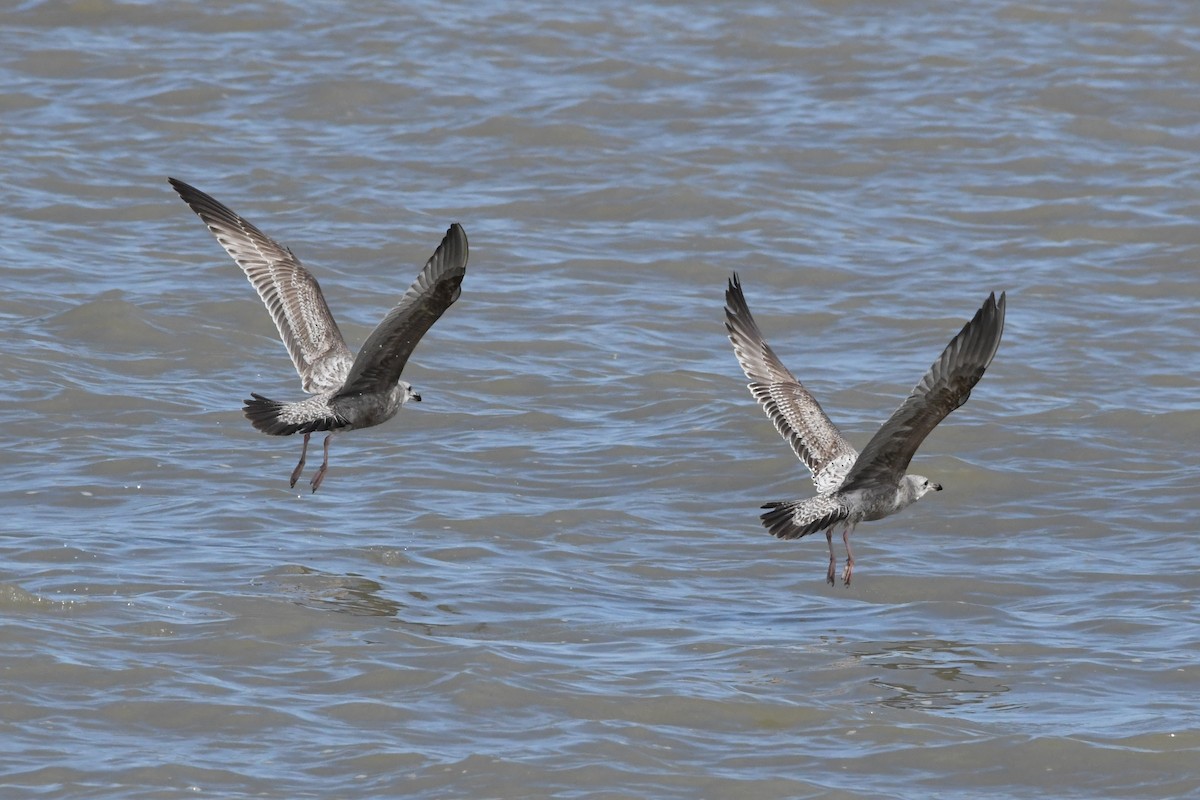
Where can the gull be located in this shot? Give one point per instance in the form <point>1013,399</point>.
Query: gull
<point>853,487</point>
<point>347,391</point>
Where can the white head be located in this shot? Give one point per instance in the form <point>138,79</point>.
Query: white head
<point>914,487</point>
<point>406,392</point>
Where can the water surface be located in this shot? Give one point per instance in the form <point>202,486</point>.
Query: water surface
<point>548,579</point>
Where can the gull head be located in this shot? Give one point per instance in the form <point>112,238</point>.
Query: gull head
<point>407,393</point>
<point>917,486</point>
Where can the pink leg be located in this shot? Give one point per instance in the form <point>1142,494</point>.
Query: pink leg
<point>832,558</point>
<point>849,570</point>
<point>300,467</point>
<point>320,476</point>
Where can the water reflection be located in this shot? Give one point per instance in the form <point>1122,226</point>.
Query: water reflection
<point>348,594</point>
<point>363,597</point>
<point>932,674</point>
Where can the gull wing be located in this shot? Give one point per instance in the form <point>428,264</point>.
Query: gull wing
<point>945,387</point>
<point>289,291</point>
<point>797,415</point>
<point>382,358</point>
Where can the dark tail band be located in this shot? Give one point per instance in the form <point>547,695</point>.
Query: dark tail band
<point>268,416</point>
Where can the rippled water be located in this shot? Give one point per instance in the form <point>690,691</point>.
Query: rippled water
<point>548,579</point>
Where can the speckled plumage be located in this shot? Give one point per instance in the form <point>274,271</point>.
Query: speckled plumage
<point>348,391</point>
<point>797,415</point>
<point>853,487</point>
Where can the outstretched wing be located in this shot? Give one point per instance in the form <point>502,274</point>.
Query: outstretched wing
<point>382,358</point>
<point>287,289</point>
<point>945,387</point>
<point>795,518</point>
<point>797,415</point>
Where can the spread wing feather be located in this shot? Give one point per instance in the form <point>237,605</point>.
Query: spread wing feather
<point>288,290</point>
<point>382,358</point>
<point>945,387</point>
<point>796,414</point>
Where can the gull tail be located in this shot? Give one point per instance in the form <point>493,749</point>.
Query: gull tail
<point>793,519</point>
<point>264,414</point>
<point>284,419</point>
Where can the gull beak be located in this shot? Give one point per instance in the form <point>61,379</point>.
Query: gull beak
<point>417,397</point>
<point>937,487</point>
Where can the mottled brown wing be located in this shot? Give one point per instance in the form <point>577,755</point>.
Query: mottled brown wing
<point>289,291</point>
<point>797,415</point>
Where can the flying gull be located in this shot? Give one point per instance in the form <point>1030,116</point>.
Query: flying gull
<point>347,391</point>
<point>853,487</point>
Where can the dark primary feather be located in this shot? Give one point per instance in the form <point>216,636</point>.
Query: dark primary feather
<point>382,357</point>
<point>288,290</point>
<point>945,387</point>
<point>796,414</point>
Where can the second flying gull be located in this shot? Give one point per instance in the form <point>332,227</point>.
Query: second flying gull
<point>853,487</point>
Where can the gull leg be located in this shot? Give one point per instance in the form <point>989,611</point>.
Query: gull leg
<point>320,476</point>
<point>849,570</point>
<point>832,558</point>
<point>300,467</point>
